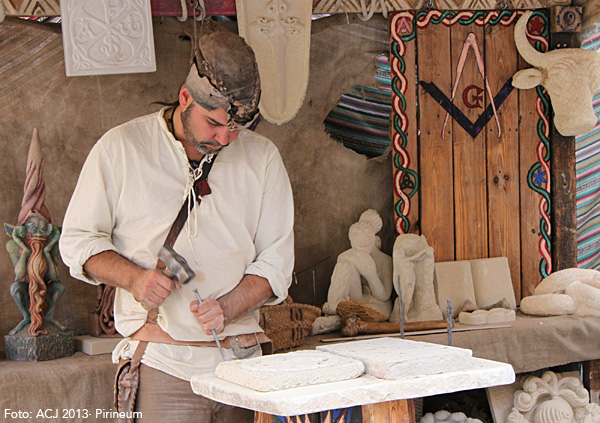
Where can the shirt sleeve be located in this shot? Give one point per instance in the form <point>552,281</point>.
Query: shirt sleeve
<point>274,240</point>
<point>90,219</point>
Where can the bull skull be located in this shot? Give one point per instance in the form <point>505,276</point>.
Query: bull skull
<point>571,76</point>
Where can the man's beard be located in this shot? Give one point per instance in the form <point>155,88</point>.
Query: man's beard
<point>204,147</point>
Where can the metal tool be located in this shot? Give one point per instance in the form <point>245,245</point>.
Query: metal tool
<point>176,266</point>
<point>449,321</point>
<point>401,309</point>
<point>213,331</point>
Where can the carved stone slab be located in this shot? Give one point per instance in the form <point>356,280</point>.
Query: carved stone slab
<point>391,358</point>
<point>279,33</point>
<point>363,390</point>
<point>290,370</point>
<point>102,37</point>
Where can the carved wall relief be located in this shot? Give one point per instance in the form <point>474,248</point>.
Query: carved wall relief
<point>279,33</point>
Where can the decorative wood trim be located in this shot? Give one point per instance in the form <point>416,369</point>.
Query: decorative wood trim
<point>354,6</point>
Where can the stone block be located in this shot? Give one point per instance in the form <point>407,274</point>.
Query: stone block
<point>492,281</point>
<point>453,281</point>
<point>92,345</point>
<point>290,370</point>
<point>392,358</point>
<point>22,347</point>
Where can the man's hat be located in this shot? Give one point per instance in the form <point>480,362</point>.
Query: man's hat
<point>225,75</point>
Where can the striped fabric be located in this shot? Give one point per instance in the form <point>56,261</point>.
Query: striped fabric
<point>587,170</point>
<point>361,119</point>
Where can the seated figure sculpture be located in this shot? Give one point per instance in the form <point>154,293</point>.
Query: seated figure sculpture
<point>413,264</point>
<point>363,273</point>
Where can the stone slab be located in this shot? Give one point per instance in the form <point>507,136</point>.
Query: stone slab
<point>393,358</point>
<point>492,281</point>
<point>289,370</point>
<point>102,38</point>
<point>92,345</point>
<point>453,281</point>
<point>363,390</point>
<point>22,347</point>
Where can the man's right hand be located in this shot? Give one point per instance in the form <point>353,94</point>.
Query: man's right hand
<point>149,287</point>
<point>153,288</point>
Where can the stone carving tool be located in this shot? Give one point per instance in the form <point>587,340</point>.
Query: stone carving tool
<point>401,309</point>
<point>213,331</point>
<point>449,321</point>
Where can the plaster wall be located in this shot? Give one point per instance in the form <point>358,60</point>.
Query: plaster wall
<point>332,185</point>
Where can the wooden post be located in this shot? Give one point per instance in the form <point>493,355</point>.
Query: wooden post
<point>591,379</point>
<point>562,191</point>
<point>400,411</point>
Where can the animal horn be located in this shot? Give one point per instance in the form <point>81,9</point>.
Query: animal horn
<point>529,54</point>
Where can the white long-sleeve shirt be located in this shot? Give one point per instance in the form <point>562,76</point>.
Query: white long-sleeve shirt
<point>129,192</point>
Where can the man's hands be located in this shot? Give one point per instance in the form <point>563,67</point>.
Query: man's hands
<point>210,315</point>
<point>152,288</point>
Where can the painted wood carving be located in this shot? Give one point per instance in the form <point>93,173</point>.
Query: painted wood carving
<point>279,33</point>
<point>477,157</point>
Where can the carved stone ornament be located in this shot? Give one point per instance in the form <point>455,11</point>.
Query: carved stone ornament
<point>102,37</point>
<point>279,33</point>
<point>552,399</point>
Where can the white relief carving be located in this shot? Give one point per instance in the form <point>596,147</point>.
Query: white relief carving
<point>107,37</point>
<point>552,399</point>
<point>279,33</point>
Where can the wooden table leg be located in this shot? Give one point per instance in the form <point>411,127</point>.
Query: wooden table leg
<point>591,379</point>
<point>400,411</point>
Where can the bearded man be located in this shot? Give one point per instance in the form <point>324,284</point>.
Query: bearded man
<point>238,239</point>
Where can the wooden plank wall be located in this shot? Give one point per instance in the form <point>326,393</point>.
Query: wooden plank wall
<point>504,224</point>
<point>436,154</point>
<point>476,194</point>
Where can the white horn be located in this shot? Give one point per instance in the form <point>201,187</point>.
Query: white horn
<point>529,54</point>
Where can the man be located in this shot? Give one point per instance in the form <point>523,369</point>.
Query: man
<point>238,240</point>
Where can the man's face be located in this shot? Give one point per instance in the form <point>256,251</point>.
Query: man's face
<point>207,130</point>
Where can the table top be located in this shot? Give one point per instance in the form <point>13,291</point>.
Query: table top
<point>360,391</point>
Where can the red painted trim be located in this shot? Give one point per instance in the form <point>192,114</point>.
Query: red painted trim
<point>173,7</point>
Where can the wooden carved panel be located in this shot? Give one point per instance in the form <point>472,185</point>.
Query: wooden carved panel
<point>470,149</point>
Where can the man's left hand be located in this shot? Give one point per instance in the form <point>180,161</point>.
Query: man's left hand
<point>210,315</point>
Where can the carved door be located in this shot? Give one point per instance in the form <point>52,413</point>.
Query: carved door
<point>471,154</point>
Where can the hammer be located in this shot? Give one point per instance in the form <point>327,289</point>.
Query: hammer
<point>176,266</point>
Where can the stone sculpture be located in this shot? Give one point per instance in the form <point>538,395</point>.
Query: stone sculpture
<point>568,291</point>
<point>413,264</point>
<point>33,249</point>
<point>363,273</point>
<point>571,76</point>
<point>552,399</point>
<point>444,416</point>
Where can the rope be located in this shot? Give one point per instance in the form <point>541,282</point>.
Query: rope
<point>184,14</point>
<point>365,16</point>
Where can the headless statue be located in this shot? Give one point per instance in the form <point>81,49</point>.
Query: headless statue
<point>363,273</point>
<point>413,264</point>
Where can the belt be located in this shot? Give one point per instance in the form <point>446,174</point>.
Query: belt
<point>152,332</point>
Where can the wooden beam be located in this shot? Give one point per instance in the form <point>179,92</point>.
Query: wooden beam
<point>562,186</point>
<point>400,411</point>
<point>29,8</point>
